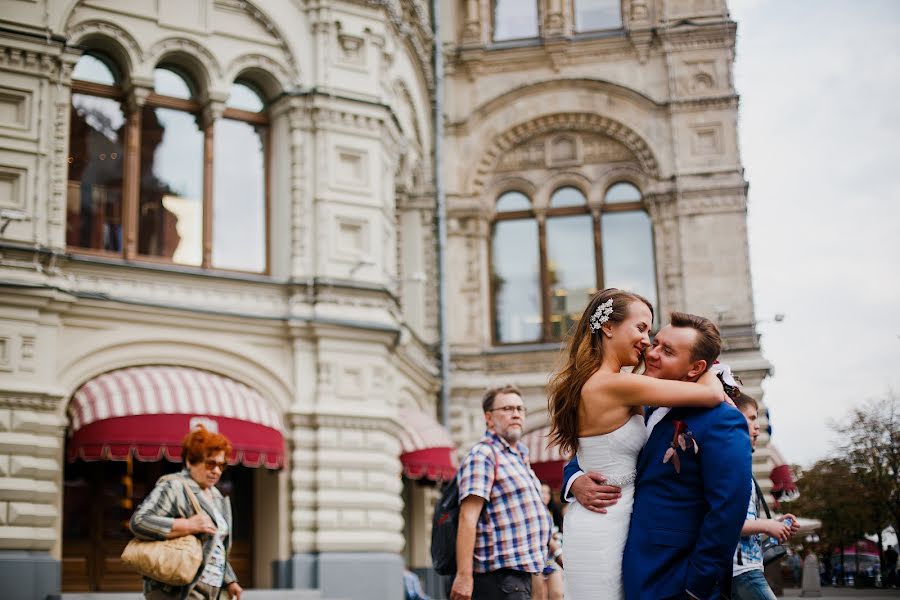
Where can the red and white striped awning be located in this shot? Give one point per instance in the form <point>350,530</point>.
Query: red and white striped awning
<point>426,448</point>
<point>546,460</point>
<point>147,411</point>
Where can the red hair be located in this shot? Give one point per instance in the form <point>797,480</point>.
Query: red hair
<point>200,443</point>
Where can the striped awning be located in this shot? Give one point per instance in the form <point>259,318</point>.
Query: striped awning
<point>546,460</point>
<point>426,448</point>
<point>145,412</point>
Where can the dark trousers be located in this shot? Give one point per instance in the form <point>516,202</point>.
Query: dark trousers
<point>505,584</point>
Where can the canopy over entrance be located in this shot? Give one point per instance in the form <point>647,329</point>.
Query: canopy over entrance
<point>427,450</point>
<point>145,412</point>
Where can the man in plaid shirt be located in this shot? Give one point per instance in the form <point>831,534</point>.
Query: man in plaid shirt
<point>504,526</point>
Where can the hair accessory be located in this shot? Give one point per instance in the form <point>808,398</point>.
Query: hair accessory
<point>601,315</point>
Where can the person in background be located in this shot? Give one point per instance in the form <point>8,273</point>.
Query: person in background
<point>748,579</point>
<point>168,513</point>
<point>504,526</point>
<point>548,585</point>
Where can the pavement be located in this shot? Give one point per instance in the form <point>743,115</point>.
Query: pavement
<point>830,593</point>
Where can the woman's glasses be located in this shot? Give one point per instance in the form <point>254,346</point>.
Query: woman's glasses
<point>212,464</point>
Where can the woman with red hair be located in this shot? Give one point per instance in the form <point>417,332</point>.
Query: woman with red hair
<point>168,513</point>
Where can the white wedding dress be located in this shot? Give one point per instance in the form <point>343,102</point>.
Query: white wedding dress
<point>593,543</point>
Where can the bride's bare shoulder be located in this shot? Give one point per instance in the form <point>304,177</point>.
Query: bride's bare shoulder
<point>602,383</point>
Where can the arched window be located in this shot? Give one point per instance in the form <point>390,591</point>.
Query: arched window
<point>96,157</point>
<point>239,195</point>
<point>594,15</point>
<point>515,271</point>
<point>515,19</point>
<point>627,240</point>
<point>544,271</point>
<point>162,182</point>
<point>170,222</point>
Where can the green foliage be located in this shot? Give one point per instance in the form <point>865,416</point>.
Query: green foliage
<point>857,491</point>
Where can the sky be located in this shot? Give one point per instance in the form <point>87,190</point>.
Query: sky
<point>819,128</point>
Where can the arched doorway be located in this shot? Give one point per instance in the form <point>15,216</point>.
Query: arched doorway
<point>125,432</point>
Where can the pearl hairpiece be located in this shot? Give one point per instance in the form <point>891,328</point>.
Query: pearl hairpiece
<point>601,315</point>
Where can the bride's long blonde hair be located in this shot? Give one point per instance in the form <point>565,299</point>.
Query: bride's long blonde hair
<point>581,358</point>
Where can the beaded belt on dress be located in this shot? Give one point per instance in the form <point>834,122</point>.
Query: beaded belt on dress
<point>621,480</point>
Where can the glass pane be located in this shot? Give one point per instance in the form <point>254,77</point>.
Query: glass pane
<point>171,202</point>
<point>622,192</point>
<point>591,15</point>
<point>567,196</point>
<point>245,98</point>
<point>96,166</point>
<point>91,68</point>
<point>167,82</point>
<point>239,197</point>
<point>571,269</point>
<point>511,201</point>
<point>515,19</point>
<point>628,261</point>
<point>515,279</point>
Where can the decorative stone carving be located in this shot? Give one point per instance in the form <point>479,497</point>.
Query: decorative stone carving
<point>81,31</point>
<point>556,150</point>
<point>187,47</point>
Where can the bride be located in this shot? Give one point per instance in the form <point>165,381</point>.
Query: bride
<point>596,411</point>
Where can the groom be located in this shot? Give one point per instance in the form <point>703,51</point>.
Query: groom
<point>687,515</point>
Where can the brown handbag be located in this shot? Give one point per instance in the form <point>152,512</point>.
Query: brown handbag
<point>174,562</point>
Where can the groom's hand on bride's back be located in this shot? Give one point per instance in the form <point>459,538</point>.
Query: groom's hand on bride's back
<point>591,491</point>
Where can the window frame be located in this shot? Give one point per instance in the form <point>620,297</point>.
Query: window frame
<point>131,169</point>
<point>539,6</point>
<point>544,274</point>
<point>588,32</point>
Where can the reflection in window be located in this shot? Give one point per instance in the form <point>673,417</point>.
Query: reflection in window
<point>546,270</point>
<point>170,218</point>
<point>628,253</point>
<point>511,201</point>
<point>96,161</point>
<point>515,281</point>
<point>239,202</point>
<point>622,192</point>
<point>515,19</point>
<point>94,68</point>
<point>167,82</point>
<point>567,196</point>
<point>591,15</point>
<point>571,269</point>
<point>243,97</point>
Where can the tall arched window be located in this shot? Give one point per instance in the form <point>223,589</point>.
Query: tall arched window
<point>161,182</point>
<point>515,271</point>
<point>515,19</point>
<point>594,15</point>
<point>545,270</point>
<point>170,222</point>
<point>96,157</point>
<point>239,194</point>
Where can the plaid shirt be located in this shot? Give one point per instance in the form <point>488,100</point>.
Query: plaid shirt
<point>513,530</point>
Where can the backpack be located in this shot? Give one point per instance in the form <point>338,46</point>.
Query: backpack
<point>445,524</point>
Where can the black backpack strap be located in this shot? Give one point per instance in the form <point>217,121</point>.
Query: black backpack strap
<point>760,497</point>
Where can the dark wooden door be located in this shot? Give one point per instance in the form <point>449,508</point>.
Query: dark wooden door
<point>98,501</point>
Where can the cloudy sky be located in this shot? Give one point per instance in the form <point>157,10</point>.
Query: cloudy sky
<point>820,137</point>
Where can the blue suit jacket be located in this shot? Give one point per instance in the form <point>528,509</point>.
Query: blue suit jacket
<point>685,527</point>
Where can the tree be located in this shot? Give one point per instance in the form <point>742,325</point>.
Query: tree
<point>870,440</point>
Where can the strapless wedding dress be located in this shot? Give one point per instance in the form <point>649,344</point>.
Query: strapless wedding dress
<point>593,543</point>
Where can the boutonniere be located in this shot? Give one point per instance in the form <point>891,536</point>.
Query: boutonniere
<point>683,440</point>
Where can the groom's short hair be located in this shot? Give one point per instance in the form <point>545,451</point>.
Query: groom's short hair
<point>708,344</point>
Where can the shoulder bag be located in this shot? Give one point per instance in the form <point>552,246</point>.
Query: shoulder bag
<point>174,562</point>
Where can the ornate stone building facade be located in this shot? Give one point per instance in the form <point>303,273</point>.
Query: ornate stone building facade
<point>246,189</point>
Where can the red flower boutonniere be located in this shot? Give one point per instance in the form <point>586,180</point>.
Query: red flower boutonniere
<point>683,440</point>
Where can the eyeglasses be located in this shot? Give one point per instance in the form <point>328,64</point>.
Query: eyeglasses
<point>509,410</point>
<point>212,464</point>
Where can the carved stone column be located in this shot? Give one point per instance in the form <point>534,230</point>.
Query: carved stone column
<point>473,25</point>
<point>134,104</point>
<point>667,234</point>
